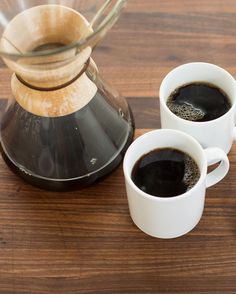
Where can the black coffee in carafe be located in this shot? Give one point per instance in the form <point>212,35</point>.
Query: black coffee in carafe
<point>63,125</point>
<point>67,151</point>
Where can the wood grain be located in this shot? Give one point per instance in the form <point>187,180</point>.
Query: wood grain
<point>84,241</point>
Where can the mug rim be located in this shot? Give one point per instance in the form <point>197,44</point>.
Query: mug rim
<point>203,170</point>
<point>163,102</point>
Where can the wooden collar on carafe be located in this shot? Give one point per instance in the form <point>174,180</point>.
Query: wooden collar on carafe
<point>57,87</point>
<point>57,101</point>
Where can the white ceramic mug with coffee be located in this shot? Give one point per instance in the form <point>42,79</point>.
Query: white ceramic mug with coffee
<point>219,132</point>
<point>169,217</point>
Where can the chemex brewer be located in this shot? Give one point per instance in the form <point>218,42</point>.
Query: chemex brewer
<point>63,125</point>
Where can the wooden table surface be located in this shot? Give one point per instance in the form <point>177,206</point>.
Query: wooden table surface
<point>84,241</point>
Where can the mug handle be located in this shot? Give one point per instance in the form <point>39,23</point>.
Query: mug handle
<point>213,155</point>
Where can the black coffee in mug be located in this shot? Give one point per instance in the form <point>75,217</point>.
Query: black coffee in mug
<point>165,172</point>
<point>199,101</point>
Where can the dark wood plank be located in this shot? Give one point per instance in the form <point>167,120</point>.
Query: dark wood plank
<point>84,241</point>
<point>152,37</point>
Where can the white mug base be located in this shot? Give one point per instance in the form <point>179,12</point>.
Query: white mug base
<point>166,235</point>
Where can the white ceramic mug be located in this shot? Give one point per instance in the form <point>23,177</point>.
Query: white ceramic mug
<point>219,132</point>
<point>173,216</point>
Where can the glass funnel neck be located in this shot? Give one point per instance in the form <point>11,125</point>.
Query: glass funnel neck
<point>51,18</point>
<point>48,45</point>
<point>46,26</point>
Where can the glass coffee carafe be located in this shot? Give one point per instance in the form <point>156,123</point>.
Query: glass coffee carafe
<point>63,126</point>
